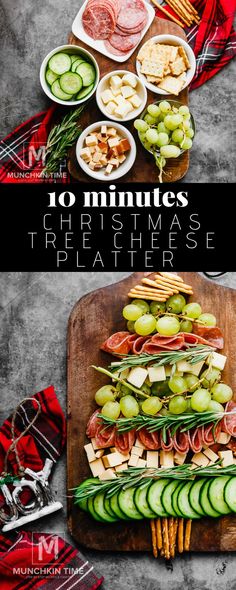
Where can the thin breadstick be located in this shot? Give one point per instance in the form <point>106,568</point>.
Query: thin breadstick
<point>161,282</point>
<point>154,538</point>
<point>170,275</point>
<point>175,283</point>
<point>188,10</point>
<point>191,7</point>
<point>182,10</point>
<point>181,535</point>
<point>147,292</point>
<point>166,290</point>
<point>178,11</point>
<point>171,535</point>
<point>187,535</point>
<point>176,524</point>
<point>187,291</point>
<point>166,538</point>
<point>170,16</point>
<point>159,534</point>
<point>147,297</point>
<point>150,289</point>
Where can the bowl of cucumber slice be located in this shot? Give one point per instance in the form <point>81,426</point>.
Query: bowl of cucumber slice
<point>69,75</point>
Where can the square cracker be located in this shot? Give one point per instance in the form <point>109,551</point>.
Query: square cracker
<point>152,68</point>
<point>153,79</point>
<point>183,54</point>
<point>178,66</point>
<point>145,51</point>
<point>171,85</point>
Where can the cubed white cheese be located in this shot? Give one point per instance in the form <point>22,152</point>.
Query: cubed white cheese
<point>119,99</point>
<point>107,474</point>
<point>91,140</point>
<point>152,458</point>
<point>137,451</point>
<point>227,458</point>
<point>115,82</point>
<point>114,459</point>
<point>110,107</point>
<point>133,461</point>
<point>97,467</point>
<point>127,91</point>
<point>217,360</point>
<point>99,453</point>
<point>135,101</point>
<point>121,467</point>
<point>156,374</point>
<point>116,92</point>
<point>123,109</point>
<point>90,452</point>
<point>95,446</point>
<point>130,80</point>
<point>85,154</point>
<point>113,142</point>
<point>179,458</point>
<point>108,169</point>
<point>106,96</point>
<point>189,368</point>
<point>213,457</point>
<point>223,438</point>
<point>200,459</point>
<point>111,131</point>
<point>167,458</point>
<point>137,376</point>
<point>103,129</point>
<point>142,463</point>
<point>139,444</point>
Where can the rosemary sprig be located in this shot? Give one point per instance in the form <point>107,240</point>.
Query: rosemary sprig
<point>193,355</point>
<point>118,380</point>
<point>60,139</point>
<point>136,476</point>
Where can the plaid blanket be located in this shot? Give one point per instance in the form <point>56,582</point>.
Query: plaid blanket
<point>214,44</point>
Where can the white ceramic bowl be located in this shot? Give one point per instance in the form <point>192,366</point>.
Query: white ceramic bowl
<point>169,40</point>
<point>123,168</point>
<point>104,85</point>
<point>70,49</point>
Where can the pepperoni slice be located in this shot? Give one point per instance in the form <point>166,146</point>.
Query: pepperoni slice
<point>124,43</point>
<point>112,49</point>
<point>150,440</point>
<point>99,21</point>
<point>195,439</point>
<point>105,437</point>
<point>168,445</point>
<point>131,13</point>
<point>93,424</point>
<point>210,434</point>
<point>212,335</point>
<point>124,441</point>
<point>229,421</point>
<point>118,343</point>
<point>181,442</point>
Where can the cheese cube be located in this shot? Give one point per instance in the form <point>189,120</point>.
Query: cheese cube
<point>92,165</point>
<point>110,107</point>
<point>137,376</point>
<point>179,458</point>
<point>85,153</point>
<point>113,141</point>
<point>91,140</point>
<point>109,169</point>
<point>107,474</point>
<point>137,451</point>
<point>167,458</point>
<point>122,467</point>
<point>119,99</point>
<point>135,101</point>
<point>99,453</point>
<point>139,444</point>
<point>223,438</point>
<point>111,131</point>
<point>114,459</point>
<point>200,459</point>
<point>130,80</point>
<point>133,461</point>
<point>115,82</point>
<point>189,368</point>
<point>106,96</point>
<point>103,160</point>
<point>96,157</point>
<point>156,374</point>
<point>121,158</point>
<point>97,467</point>
<point>123,109</point>
<point>217,360</point>
<point>142,463</point>
<point>103,129</point>
<point>116,92</point>
<point>90,452</point>
<point>95,446</point>
<point>115,162</point>
<point>213,457</point>
<point>152,458</point>
<point>121,374</point>
<point>127,91</point>
<point>193,466</point>
<point>227,458</point>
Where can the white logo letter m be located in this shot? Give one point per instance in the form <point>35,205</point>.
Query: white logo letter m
<point>48,544</point>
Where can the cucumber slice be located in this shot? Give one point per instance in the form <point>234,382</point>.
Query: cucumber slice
<point>50,76</point>
<point>230,494</point>
<point>127,505</point>
<point>183,502</point>
<point>92,511</point>
<point>108,508</point>
<point>74,58</point>
<point>116,509</point>
<point>141,503</point>
<point>58,92</point>
<point>71,83</point>
<point>60,63</point>
<point>84,92</point>
<point>216,494</point>
<point>175,499</point>
<point>154,496</point>
<point>166,498</point>
<point>100,510</point>
<point>205,502</point>
<point>194,496</point>
<point>83,504</point>
<point>76,63</point>
<point>87,73</point>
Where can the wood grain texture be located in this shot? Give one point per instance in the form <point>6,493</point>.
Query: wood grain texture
<point>93,319</point>
<point>144,169</point>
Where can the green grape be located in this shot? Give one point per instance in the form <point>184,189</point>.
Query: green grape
<point>129,406</point>
<point>211,376</point>
<point>177,384</point>
<point>215,406</point>
<point>142,304</point>
<point>183,110</point>
<point>167,325</point>
<point>151,406</point>
<point>164,412</point>
<point>186,124</point>
<point>140,125</point>
<point>122,389</point>
<point>146,389</point>
<point>111,410</point>
<point>105,394</point>
<point>188,408</point>
<point>221,393</point>
<point>162,139</point>
<point>175,110</point>
<point>142,137</point>
<point>170,151</point>
<point>186,326</point>
<point>177,135</point>
<point>169,122</point>
<point>164,106</point>
<point>150,120</point>
<point>156,307</point>
<point>208,319</point>
<point>152,136</point>
<point>187,144</point>
<point>200,400</point>
<point>175,303</point>
<point>161,128</point>
<point>154,110</point>
<point>191,381</point>
<point>190,133</point>
<point>160,388</point>
<point>178,404</point>
<point>145,325</point>
<point>192,310</point>
<point>130,326</point>
<point>161,117</point>
<point>132,312</point>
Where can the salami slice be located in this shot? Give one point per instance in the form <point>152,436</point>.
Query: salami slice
<point>131,13</point>
<point>118,343</point>
<point>213,336</point>
<point>210,434</point>
<point>169,443</point>
<point>129,30</point>
<point>232,445</point>
<point>194,339</point>
<point>138,344</point>
<point>159,343</point>
<point>105,437</point>
<point>181,442</point>
<point>195,439</point>
<point>150,440</point>
<point>99,21</point>
<point>124,441</point>
<point>122,43</point>
<point>229,421</point>
<point>93,424</point>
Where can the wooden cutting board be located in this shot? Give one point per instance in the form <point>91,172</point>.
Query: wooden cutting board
<point>144,168</point>
<point>95,317</point>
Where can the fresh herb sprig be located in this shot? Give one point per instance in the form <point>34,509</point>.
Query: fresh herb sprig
<point>60,139</point>
<point>122,381</point>
<point>136,476</point>
<point>193,355</point>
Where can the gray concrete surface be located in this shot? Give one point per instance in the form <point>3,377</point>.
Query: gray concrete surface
<point>34,311</point>
<point>29,30</point>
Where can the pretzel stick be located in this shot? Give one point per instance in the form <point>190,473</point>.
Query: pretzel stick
<point>176,523</point>
<point>135,295</point>
<point>159,534</point>
<point>181,535</point>
<point>171,535</point>
<point>170,16</point>
<point>178,11</point>
<point>154,538</point>
<point>191,7</point>
<point>149,289</point>
<point>166,538</point>
<point>187,535</point>
<point>186,9</point>
<point>182,10</point>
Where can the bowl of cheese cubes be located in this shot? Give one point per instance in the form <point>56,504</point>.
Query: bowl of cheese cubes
<point>105,150</point>
<point>121,95</point>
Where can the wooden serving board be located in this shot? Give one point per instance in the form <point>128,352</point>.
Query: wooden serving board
<point>95,317</point>
<point>144,168</point>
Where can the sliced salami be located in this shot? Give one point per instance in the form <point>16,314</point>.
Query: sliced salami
<point>93,424</point>
<point>213,336</point>
<point>99,21</point>
<point>210,434</point>
<point>122,43</point>
<point>118,343</point>
<point>228,423</point>
<point>169,443</point>
<point>195,439</point>
<point>129,30</point>
<point>131,13</point>
<point>105,437</point>
<point>150,440</point>
<point>181,442</point>
<point>124,441</point>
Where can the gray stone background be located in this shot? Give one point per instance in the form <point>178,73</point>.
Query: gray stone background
<point>34,312</point>
<point>30,29</point>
